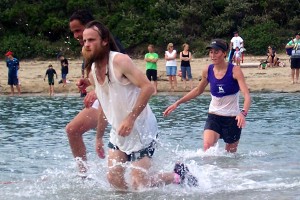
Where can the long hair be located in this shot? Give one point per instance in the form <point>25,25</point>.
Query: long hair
<point>105,35</point>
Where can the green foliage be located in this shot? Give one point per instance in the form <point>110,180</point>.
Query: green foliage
<point>39,28</point>
<point>260,36</point>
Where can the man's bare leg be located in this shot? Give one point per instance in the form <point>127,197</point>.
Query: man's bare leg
<point>85,120</point>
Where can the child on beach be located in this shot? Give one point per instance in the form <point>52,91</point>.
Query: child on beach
<point>64,69</point>
<point>50,72</point>
<point>237,56</point>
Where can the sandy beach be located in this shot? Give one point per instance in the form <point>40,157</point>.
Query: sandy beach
<point>32,72</point>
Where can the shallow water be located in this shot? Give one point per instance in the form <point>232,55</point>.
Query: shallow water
<point>36,161</point>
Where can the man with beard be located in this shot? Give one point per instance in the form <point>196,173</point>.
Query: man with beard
<point>124,91</point>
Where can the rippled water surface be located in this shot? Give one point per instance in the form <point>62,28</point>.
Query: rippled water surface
<point>36,161</point>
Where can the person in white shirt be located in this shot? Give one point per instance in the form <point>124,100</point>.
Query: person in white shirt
<point>124,91</point>
<point>171,66</point>
<point>236,41</point>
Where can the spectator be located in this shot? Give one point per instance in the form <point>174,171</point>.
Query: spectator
<point>295,57</point>
<point>171,66</point>
<point>151,59</point>
<point>186,74</point>
<point>237,56</point>
<point>236,41</point>
<point>13,67</point>
<point>50,72</point>
<point>272,58</point>
<point>64,69</point>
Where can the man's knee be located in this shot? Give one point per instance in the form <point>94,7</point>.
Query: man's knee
<point>72,130</point>
<point>116,179</point>
<point>139,179</point>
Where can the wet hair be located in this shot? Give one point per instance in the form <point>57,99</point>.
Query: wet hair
<point>84,16</point>
<point>105,35</point>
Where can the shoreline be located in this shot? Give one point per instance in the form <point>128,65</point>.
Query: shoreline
<point>32,72</point>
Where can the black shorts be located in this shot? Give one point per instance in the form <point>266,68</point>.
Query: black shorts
<point>13,80</point>
<point>151,74</point>
<point>134,156</point>
<point>225,126</point>
<point>295,63</point>
<point>51,81</point>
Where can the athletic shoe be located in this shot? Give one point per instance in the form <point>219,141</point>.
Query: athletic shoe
<point>185,175</point>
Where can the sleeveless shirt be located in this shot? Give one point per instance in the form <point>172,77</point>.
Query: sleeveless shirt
<point>183,62</point>
<point>224,93</point>
<point>117,100</point>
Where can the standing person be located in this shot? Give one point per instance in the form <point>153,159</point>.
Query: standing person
<point>236,41</point>
<point>295,57</point>
<point>237,56</point>
<point>64,69</point>
<point>151,59</point>
<point>124,91</point>
<point>171,66</point>
<point>50,73</point>
<point>185,57</point>
<point>13,67</point>
<point>225,120</point>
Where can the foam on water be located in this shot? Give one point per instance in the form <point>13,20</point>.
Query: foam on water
<point>36,161</point>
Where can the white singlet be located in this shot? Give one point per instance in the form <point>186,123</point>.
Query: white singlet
<point>171,62</point>
<point>117,100</point>
<point>225,106</point>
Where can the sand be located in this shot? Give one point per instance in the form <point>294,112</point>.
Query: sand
<point>32,72</point>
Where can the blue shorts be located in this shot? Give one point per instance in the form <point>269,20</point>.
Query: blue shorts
<point>225,126</point>
<point>64,76</point>
<point>13,80</point>
<point>134,156</point>
<point>171,70</point>
<point>186,70</point>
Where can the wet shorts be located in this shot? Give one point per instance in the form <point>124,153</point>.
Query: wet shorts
<point>151,74</point>
<point>225,126</point>
<point>134,156</point>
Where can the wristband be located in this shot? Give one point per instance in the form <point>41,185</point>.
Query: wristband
<point>244,113</point>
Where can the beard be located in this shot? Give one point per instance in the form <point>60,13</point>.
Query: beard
<point>95,56</point>
<point>91,57</point>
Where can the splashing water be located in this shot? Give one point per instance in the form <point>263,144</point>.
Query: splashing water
<point>36,160</point>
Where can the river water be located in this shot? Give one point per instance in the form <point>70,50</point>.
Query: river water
<point>36,161</point>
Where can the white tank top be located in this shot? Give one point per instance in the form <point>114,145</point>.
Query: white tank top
<point>225,106</point>
<point>171,62</point>
<point>117,100</point>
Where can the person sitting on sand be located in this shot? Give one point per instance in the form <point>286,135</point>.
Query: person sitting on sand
<point>272,58</point>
